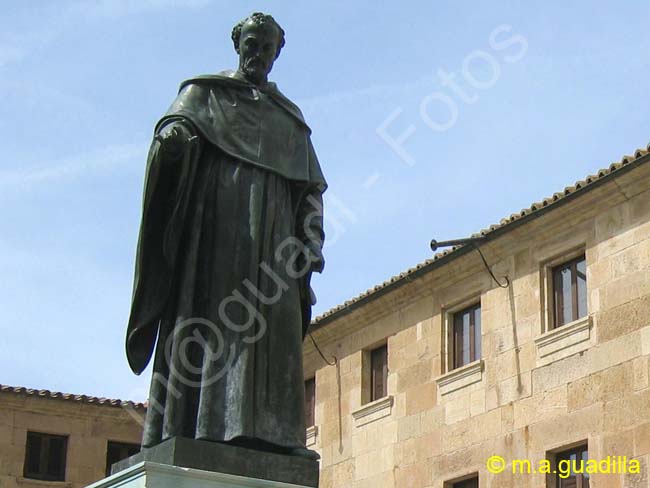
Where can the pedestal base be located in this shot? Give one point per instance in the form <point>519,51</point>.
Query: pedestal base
<point>154,475</point>
<point>217,461</point>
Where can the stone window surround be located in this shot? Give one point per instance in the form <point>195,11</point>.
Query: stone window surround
<point>373,411</point>
<point>366,372</point>
<point>467,477</point>
<point>546,284</point>
<point>563,338</point>
<point>553,344</point>
<point>461,377</point>
<point>447,314</point>
<point>551,455</point>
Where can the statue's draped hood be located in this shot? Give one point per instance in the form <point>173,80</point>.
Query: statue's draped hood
<point>224,110</point>
<point>228,111</point>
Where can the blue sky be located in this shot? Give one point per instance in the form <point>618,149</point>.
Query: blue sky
<point>543,94</point>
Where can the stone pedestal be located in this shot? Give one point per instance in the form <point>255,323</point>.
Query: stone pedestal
<point>190,463</point>
<point>154,475</point>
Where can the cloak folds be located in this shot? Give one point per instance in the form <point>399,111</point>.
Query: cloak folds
<point>212,219</point>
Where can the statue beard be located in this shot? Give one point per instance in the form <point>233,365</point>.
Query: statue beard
<point>255,70</point>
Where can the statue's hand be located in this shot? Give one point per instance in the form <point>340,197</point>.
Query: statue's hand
<point>174,139</point>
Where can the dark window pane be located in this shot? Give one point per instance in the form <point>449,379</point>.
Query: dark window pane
<point>577,457</point>
<point>569,291</point>
<point>45,457</point>
<point>116,451</point>
<point>470,483</point>
<point>477,333</point>
<point>55,459</point>
<point>458,341</point>
<point>310,401</point>
<point>379,368</point>
<point>32,454</point>
<point>466,336</point>
<point>567,314</point>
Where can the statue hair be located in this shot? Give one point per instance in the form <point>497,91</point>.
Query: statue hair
<point>260,19</point>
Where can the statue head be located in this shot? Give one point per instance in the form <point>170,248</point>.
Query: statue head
<point>258,40</point>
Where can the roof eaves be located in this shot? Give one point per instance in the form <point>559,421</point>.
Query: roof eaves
<point>507,224</point>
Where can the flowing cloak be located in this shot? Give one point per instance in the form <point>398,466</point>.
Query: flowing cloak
<point>222,277</point>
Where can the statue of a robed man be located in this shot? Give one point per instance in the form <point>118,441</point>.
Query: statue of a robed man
<point>232,228</point>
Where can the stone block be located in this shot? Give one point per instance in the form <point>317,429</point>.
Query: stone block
<point>603,386</point>
<point>421,398</point>
<point>514,388</point>
<point>418,474</point>
<point>618,444</point>
<point>642,439</point>
<point>640,367</point>
<point>559,373</point>
<point>416,375</point>
<point>624,319</point>
<point>408,427</point>
<point>477,402</point>
<point>458,409</point>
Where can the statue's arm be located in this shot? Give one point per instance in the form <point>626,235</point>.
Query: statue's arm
<point>309,227</point>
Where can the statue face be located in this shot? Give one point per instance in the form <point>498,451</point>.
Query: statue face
<point>258,46</point>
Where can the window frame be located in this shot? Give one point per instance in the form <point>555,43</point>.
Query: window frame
<point>463,481</point>
<point>557,299</point>
<point>310,402</point>
<point>457,352</point>
<point>44,449</point>
<point>376,361</point>
<point>127,445</point>
<point>547,264</point>
<point>564,453</point>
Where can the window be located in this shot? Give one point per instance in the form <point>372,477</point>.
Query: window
<point>466,336</point>
<point>468,483</point>
<point>378,373</point>
<point>45,456</point>
<point>116,451</point>
<point>569,291</point>
<point>310,402</point>
<point>571,461</point>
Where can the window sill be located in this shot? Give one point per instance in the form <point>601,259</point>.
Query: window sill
<point>34,482</point>
<point>564,341</point>
<point>373,411</point>
<point>460,377</point>
<point>312,432</point>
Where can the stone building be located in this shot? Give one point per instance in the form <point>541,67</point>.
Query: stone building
<point>440,368</point>
<point>50,439</point>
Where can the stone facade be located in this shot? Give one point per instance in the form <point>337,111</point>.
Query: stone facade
<point>89,424</point>
<point>534,391</point>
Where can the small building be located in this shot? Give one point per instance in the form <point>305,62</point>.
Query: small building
<point>60,440</point>
<point>538,356</point>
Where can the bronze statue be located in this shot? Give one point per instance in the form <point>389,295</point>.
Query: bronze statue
<point>232,228</point>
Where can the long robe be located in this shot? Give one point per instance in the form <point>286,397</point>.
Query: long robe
<point>222,277</point>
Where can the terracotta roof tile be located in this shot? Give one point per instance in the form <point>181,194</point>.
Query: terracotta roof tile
<point>109,402</point>
<point>503,223</point>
